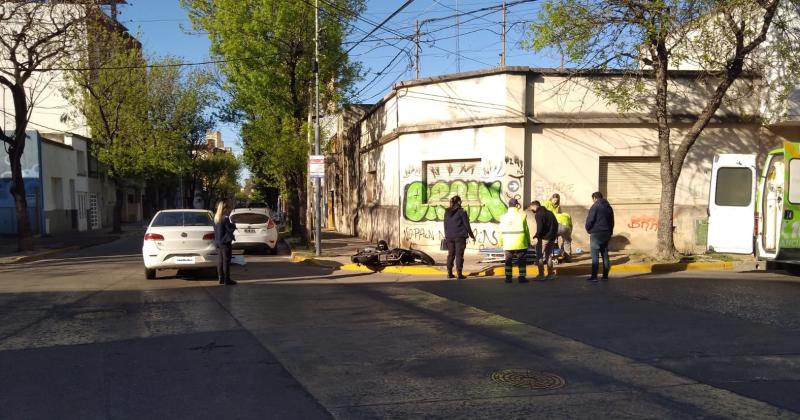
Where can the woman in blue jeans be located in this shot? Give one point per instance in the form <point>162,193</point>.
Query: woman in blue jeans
<point>600,225</point>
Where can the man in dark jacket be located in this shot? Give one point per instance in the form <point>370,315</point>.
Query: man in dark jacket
<point>546,233</point>
<point>600,225</point>
<point>456,232</point>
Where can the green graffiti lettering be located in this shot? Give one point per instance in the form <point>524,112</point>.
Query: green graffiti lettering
<point>414,208</point>
<point>483,201</point>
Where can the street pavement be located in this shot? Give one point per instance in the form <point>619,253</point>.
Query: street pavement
<point>85,336</point>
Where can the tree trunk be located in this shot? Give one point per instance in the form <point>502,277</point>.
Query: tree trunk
<point>15,151</point>
<point>120,195</point>
<point>295,185</point>
<point>24,239</point>
<point>666,244</point>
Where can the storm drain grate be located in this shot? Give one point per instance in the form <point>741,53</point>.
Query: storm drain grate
<point>528,379</point>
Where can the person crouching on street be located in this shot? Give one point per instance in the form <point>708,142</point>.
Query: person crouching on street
<point>600,226</point>
<point>456,232</point>
<point>546,232</point>
<point>223,238</point>
<point>514,239</point>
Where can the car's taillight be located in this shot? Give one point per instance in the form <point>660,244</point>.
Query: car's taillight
<point>270,224</point>
<point>208,237</point>
<point>153,237</point>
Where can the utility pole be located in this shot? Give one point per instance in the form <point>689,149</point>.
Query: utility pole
<point>416,40</point>
<point>317,187</point>
<point>503,37</point>
<point>458,44</point>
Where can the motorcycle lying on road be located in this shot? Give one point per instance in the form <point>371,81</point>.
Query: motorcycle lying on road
<point>375,258</point>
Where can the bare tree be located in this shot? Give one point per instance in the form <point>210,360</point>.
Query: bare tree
<point>34,37</point>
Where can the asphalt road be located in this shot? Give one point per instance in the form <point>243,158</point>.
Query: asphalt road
<point>85,336</point>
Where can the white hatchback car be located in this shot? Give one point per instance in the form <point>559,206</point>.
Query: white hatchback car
<point>255,229</point>
<point>179,239</point>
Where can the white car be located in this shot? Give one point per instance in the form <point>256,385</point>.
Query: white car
<point>179,239</point>
<point>255,229</point>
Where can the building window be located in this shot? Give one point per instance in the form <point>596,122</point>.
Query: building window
<point>372,187</point>
<point>630,180</point>
<point>93,167</point>
<point>80,156</point>
<point>58,193</point>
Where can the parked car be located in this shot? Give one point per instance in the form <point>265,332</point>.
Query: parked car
<point>255,229</point>
<point>179,239</point>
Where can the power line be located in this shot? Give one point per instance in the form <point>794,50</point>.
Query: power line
<point>408,2</point>
<point>144,66</point>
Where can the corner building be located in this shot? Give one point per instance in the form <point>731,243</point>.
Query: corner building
<point>526,133</point>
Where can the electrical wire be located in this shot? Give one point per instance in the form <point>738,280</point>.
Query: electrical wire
<point>403,6</point>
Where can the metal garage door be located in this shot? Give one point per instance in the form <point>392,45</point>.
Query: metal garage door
<point>631,180</point>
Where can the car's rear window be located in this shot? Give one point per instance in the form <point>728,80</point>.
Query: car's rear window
<point>183,218</point>
<point>249,218</point>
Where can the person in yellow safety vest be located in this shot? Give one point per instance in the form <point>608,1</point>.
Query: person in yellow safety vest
<point>514,239</point>
<point>564,225</point>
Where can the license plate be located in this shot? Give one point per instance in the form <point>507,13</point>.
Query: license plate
<point>249,231</point>
<point>383,257</point>
<point>184,260</point>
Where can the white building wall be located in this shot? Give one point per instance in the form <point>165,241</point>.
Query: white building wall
<point>58,163</point>
<point>465,100</point>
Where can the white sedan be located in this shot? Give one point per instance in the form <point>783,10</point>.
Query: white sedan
<point>255,229</point>
<point>179,239</point>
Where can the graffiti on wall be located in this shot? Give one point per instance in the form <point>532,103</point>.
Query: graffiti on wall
<point>544,189</point>
<point>482,200</point>
<point>484,237</point>
<point>645,223</point>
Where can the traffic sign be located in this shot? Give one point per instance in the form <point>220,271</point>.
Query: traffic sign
<point>316,166</point>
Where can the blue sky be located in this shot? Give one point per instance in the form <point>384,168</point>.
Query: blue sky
<point>164,29</point>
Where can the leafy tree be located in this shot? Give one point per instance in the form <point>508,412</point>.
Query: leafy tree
<point>34,37</point>
<point>646,38</point>
<point>180,114</point>
<point>219,180</point>
<point>109,88</point>
<point>268,46</point>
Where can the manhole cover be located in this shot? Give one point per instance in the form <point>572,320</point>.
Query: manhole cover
<point>98,313</point>
<point>529,379</point>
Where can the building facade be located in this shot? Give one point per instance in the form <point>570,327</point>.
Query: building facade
<point>524,133</point>
<point>67,190</point>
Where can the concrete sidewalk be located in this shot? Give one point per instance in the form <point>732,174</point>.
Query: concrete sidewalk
<point>48,246</point>
<point>337,248</point>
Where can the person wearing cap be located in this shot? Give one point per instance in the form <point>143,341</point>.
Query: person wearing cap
<point>546,233</point>
<point>514,239</point>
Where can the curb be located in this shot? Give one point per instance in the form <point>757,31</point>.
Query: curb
<point>53,252</point>
<point>39,256</point>
<point>496,271</point>
<point>620,268</point>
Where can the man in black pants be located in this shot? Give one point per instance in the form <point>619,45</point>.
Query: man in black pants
<point>456,231</point>
<point>600,225</point>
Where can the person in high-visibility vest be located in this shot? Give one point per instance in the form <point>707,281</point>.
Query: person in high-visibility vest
<point>514,239</point>
<point>564,224</point>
